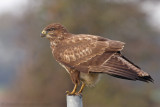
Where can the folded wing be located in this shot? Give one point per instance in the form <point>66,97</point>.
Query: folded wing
<point>89,53</point>
<point>80,49</point>
<point>120,67</point>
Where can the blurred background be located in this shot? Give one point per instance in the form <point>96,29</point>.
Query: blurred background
<point>30,77</point>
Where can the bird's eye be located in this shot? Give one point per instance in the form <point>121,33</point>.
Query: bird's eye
<point>51,29</point>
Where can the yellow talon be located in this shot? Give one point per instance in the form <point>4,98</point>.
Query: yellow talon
<point>73,92</point>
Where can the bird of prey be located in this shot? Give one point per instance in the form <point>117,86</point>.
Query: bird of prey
<point>86,56</point>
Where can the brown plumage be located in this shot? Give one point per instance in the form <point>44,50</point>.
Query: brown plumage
<point>86,56</point>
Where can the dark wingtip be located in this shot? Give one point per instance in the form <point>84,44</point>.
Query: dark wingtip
<point>146,79</point>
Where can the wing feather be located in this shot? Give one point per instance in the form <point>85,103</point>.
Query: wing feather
<point>89,53</point>
<point>121,67</point>
<point>82,48</point>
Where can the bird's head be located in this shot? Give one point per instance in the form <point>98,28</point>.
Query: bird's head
<point>54,31</point>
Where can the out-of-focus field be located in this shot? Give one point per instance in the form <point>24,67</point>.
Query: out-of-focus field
<point>30,77</point>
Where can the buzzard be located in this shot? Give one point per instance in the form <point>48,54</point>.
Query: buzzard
<point>86,56</point>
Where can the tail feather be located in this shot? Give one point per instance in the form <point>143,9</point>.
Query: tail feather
<point>146,79</point>
<point>120,67</point>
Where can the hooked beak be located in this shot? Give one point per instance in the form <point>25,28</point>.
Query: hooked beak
<point>44,33</point>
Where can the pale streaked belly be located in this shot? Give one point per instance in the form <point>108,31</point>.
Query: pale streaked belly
<point>89,79</point>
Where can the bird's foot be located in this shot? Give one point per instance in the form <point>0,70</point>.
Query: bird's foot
<point>70,93</point>
<point>77,93</point>
<point>73,93</point>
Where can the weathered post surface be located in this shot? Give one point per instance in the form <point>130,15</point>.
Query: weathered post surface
<point>74,101</point>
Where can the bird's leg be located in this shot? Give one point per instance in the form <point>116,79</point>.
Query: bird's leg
<point>81,89</point>
<point>73,91</point>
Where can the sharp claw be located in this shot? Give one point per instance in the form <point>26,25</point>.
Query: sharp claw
<point>79,94</point>
<point>70,93</point>
<point>67,92</point>
<point>73,92</point>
